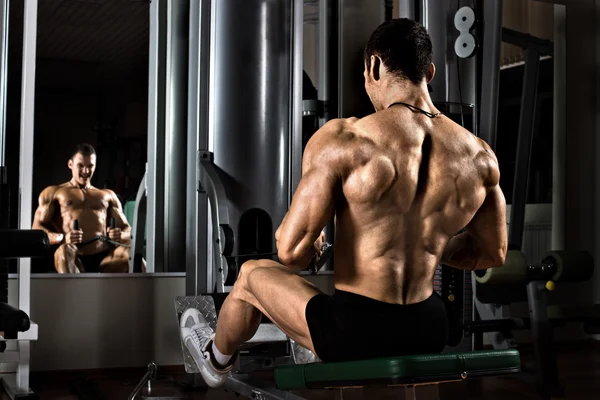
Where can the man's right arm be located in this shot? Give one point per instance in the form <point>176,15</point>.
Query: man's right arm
<point>44,213</point>
<point>484,243</point>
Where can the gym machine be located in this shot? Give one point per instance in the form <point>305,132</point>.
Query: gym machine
<point>520,280</point>
<point>247,168</point>
<point>22,243</point>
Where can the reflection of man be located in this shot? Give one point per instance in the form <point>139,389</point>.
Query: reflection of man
<point>91,246</point>
<point>401,183</point>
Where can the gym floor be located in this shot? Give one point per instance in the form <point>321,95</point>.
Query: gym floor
<point>579,366</point>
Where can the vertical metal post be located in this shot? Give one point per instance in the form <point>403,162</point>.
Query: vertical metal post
<point>4,9</point>
<point>199,91</point>
<point>26,174</point>
<point>406,9</point>
<point>323,59</point>
<point>559,129</point>
<point>176,135</point>
<point>490,76</point>
<point>526,126</point>
<point>296,93</point>
<point>26,148</point>
<point>156,139</point>
<point>323,86</point>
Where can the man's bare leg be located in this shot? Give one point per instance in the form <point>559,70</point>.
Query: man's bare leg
<point>66,260</point>
<point>117,261</point>
<point>268,287</point>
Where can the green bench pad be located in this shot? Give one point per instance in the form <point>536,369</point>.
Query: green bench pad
<point>398,370</point>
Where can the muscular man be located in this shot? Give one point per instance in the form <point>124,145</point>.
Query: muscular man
<point>401,183</point>
<point>59,206</point>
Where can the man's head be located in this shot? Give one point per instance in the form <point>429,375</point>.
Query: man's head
<point>399,51</point>
<point>83,164</point>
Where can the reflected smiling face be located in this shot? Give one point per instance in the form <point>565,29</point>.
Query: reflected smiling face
<point>82,168</point>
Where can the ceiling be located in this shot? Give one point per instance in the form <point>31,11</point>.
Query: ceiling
<point>84,43</point>
<point>94,43</point>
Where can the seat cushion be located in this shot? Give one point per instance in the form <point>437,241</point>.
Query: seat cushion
<point>398,370</point>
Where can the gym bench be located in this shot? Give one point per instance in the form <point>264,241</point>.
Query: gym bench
<point>407,371</point>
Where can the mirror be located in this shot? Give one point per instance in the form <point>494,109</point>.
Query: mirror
<point>91,91</point>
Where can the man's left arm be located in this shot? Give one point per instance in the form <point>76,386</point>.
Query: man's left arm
<point>122,233</point>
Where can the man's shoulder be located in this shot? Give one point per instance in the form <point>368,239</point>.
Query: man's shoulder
<point>334,146</point>
<point>51,191</point>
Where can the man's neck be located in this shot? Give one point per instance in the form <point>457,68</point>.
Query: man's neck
<point>409,93</point>
<point>82,187</point>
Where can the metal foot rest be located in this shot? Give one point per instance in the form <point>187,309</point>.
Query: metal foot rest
<point>406,370</point>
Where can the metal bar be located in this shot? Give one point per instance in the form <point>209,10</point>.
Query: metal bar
<point>176,135</point>
<point>4,7</point>
<point>406,9</point>
<point>486,313</point>
<point>559,137</point>
<point>542,338</point>
<point>526,41</point>
<point>199,90</point>
<point>156,129</point>
<point>22,378</point>
<point>25,177</point>
<point>296,99</point>
<point>255,389</point>
<point>219,217</point>
<point>323,58</point>
<point>139,227</point>
<point>26,150</point>
<point>526,126</point>
<point>490,75</point>
<point>424,12</point>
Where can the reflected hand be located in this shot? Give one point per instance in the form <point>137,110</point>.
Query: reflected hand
<point>114,234</point>
<point>75,236</point>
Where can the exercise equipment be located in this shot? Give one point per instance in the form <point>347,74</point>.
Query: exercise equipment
<point>408,371</point>
<point>14,322</point>
<point>537,279</point>
<point>101,238</point>
<point>295,373</point>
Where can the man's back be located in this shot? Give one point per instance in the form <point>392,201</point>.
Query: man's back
<point>408,184</point>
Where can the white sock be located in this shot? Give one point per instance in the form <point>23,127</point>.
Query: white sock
<point>222,359</point>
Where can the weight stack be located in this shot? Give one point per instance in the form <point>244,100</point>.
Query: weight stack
<point>456,290</point>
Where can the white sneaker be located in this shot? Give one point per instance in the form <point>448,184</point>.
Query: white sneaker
<point>197,336</point>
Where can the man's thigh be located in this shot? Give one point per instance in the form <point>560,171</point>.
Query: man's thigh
<point>282,296</point>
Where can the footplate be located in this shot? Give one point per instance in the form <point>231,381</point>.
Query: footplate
<point>206,306</point>
<point>267,333</point>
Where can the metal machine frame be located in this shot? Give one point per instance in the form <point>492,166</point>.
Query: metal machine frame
<point>542,332</point>
<point>17,386</point>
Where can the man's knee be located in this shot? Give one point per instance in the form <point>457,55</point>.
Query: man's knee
<point>67,251</point>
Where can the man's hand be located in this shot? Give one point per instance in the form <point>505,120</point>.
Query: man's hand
<point>114,234</point>
<point>74,236</point>
<point>318,250</point>
<point>319,245</point>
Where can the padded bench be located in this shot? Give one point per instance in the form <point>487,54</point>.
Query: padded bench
<point>404,371</point>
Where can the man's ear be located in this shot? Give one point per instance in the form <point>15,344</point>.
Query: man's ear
<point>431,72</point>
<point>375,67</point>
<point>70,163</point>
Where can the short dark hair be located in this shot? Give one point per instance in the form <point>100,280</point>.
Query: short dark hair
<point>404,46</point>
<point>84,149</point>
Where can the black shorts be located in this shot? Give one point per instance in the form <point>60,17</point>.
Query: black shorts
<point>347,326</point>
<point>91,262</point>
